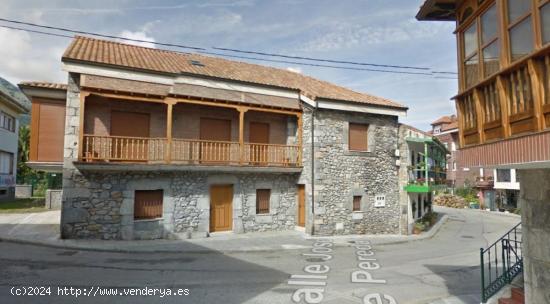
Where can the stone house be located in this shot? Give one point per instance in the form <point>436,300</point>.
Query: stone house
<point>13,104</point>
<point>160,144</point>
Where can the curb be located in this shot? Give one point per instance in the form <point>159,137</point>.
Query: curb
<point>427,235</point>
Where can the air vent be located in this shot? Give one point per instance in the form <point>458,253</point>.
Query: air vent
<point>196,63</point>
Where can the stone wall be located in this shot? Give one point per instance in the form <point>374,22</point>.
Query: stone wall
<point>341,174</point>
<point>535,216</point>
<point>104,207</point>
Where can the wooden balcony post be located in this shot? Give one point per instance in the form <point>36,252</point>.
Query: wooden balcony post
<point>535,73</point>
<point>504,112</point>
<point>460,117</point>
<point>83,95</point>
<point>480,116</point>
<point>241,110</point>
<point>169,109</point>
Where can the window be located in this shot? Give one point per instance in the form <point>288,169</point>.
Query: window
<point>437,130</point>
<point>520,28</point>
<point>453,146</point>
<point>7,122</point>
<point>545,22</point>
<point>6,163</point>
<point>358,137</point>
<point>454,165</point>
<point>471,60</point>
<point>262,201</point>
<point>489,41</point>
<point>357,203</point>
<point>148,204</point>
<point>504,176</point>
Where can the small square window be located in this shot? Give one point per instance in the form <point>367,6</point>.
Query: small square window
<point>148,204</point>
<point>357,203</point>
<point>262,201</point>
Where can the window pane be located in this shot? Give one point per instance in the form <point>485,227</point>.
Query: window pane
<point>470,40</point>
<point>545,20</point>
<point>489,24</point>
<point>521,39</point>
<point>490,58</point>
<point>504,176</point>
<point>518,8</point>
<point>471,71</point>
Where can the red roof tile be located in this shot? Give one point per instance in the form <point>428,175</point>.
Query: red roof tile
<point>104,52</point>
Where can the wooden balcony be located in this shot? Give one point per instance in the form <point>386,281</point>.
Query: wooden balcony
<point>512,103</point>
<point>107,149</point>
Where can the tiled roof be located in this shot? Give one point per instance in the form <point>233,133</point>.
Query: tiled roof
<point>44,85</point>
<point>104,52</point>
<point>443,120</point>
<point>453,125</point>
<point>415,129</point>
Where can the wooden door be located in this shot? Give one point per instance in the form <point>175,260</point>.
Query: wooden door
<point>218,131</point>
<point>301,205</point>
<point>259,134</point>
<point>221,208</point>
<point>130,125</point>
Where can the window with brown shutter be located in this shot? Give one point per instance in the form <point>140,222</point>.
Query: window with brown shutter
<point>262,201</point>
<point>358,137</point>
<point>357,203</point>
<point>147,204</point>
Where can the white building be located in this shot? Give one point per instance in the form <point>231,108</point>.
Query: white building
<point>12,104</point>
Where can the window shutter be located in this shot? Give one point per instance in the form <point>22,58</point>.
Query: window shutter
<point>148,204</point>
<point>357,203</point>
<point>358,137</point>
<point>262,201</point>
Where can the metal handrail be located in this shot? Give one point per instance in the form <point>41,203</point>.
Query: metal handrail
<point>500,273</point>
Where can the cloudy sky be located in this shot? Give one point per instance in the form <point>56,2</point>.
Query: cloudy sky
<point>373,31</point>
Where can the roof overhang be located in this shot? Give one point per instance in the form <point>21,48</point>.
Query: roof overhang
<point>39,92</point>
<point>438,10</point>
<point>359,107</point>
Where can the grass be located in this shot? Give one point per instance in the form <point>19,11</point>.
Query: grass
<point>23,205</point>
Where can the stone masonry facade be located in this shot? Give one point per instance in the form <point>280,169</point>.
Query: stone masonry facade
<point>341,174</point>
<point>99,204</point>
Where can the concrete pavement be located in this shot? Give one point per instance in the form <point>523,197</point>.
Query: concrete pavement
<point>43,229</point>
<point>441,269</point>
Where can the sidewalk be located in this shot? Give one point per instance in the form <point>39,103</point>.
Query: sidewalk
<point>43,229</point>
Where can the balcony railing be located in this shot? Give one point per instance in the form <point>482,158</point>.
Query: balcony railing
<point>97,148</point>
<point>437,177</point>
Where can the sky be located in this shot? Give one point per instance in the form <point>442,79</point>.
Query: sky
<point>373,31</point>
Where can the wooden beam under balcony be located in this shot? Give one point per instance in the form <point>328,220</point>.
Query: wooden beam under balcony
<point>232,105</point>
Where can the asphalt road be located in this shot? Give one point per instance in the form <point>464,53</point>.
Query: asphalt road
<point>415,272</point>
